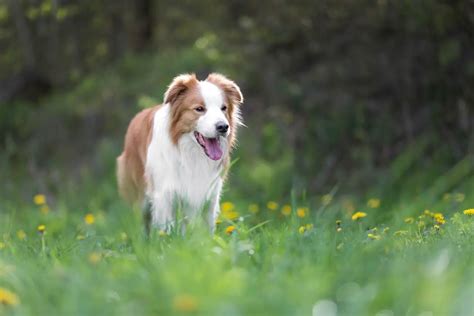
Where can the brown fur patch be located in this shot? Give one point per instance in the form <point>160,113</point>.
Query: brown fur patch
<point>230,88</point>
<point>131,163</point>
<point>184,97</point>
<point>178,86</point>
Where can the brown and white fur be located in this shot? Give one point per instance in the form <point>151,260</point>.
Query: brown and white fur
<point>180,150</point>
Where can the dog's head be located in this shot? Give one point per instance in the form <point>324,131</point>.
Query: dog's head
<point>205,111</point>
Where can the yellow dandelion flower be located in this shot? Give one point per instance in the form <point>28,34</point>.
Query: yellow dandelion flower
<point>459,197</point>
<point>302,229</point>
<point>185,303</point>
<point>302,211</point>
<point>326,199</point>
<point>253,208</point>
<point>358,215</point>
<point>230,215</point>
<point>230,229</point>
<point>469,211</point>
<point>21,234</point>
<point>272,205</point>
<point>286,210</point>
<point>44,209</point>
<point>8,298</point>
<point>373,236</point>
<point>2,245</point>
<point>89,219</point>
<point>94,257</point>
<point>373,203</point>
<point>439,218</point>
<point>227,206</point>
<point>41,228</point>
<point>39,199</point>
<point>409,220</point>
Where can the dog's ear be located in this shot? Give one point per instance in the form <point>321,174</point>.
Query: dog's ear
<point>230,88</point>
<point>178,86</point>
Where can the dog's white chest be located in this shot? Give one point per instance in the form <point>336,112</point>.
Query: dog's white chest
<point>181,171</point>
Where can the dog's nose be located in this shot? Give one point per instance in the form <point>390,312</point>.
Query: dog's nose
<point>222,127</point>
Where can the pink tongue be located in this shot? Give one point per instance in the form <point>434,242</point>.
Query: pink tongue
<point>213,149</point>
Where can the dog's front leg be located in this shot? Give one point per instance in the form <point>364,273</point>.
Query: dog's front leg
<point>162,213</point>
<point>147,210</point>
<point>214,207</point>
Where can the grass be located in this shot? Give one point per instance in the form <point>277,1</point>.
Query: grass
<point>280,259</point>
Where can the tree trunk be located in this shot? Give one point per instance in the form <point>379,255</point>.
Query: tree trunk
<point>143,30</point>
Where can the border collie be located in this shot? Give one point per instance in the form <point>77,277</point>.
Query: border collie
<point>180,150</point>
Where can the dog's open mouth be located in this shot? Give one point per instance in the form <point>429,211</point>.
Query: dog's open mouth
<point>211,146</point>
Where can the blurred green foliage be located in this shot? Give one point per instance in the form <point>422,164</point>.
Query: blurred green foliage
<point>335,91</point>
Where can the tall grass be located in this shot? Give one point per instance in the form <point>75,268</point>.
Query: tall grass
<point>293,256</point>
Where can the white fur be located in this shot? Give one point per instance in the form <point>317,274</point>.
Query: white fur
<point>184,172</point>
<point>214,100</point>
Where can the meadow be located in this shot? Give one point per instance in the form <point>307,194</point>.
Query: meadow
<point>351,191</point>
<point>83,252</point>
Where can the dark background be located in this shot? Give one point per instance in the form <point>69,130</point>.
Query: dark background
<point>353,95</point>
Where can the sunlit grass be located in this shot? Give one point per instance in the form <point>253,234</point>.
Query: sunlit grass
<point>268,257</point>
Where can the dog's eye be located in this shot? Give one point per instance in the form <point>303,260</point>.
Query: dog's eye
<point>199,109</point>
<point>224,108</point>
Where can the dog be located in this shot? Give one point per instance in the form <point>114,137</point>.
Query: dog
<point>179,152</point>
